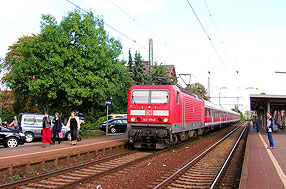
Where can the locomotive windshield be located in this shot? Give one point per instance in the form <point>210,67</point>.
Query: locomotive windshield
<point>150,96</point>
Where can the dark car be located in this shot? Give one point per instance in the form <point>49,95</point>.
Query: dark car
<point>11,138</point>
<point>114,125</point>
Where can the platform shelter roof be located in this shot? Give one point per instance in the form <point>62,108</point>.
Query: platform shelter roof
<point>259,102</point>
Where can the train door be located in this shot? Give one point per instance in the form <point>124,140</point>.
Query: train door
<point>183,111</point>
<point>202,116</point>
<point>212,116</point>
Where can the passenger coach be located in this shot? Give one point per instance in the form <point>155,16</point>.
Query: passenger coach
<point>162,115</point>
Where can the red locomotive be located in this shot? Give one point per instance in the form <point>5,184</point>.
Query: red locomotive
<point>162,115</point>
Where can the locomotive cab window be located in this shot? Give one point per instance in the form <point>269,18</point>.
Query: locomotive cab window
<point>177,98</point>
<point>150,96</point>
<point>159,97</point>
<point>140,97</point>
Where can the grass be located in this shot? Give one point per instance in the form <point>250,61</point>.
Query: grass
<point>15,176</point>
<point>123,179</point>
<point>91,133</point>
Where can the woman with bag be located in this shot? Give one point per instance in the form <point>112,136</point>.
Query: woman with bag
<point>57,128</point>
<point>14,124</point>
<point>269,130</point>
<point>46,130</point>
<point>74,125</point>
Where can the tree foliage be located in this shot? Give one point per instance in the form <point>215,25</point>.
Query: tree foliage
<point>198,89</point>
<point>69,66</point>
<point>238,111</point>
<point>143,75</point>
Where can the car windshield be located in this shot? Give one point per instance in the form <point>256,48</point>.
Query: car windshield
<point>4,129</point>
<point>114,121</point>
<point>150,96</point>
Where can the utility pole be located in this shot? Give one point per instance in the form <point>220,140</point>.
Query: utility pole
<point>209,88</point>
<point>150,54</point>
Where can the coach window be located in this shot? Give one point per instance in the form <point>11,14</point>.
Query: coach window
<point>177,100</point>
<point>159,96</point>
<point>140,96</point>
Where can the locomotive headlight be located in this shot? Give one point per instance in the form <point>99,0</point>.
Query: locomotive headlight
<point>165,120</point>
<point>132,119</point>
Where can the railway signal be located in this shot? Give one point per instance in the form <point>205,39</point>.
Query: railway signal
<point>108,102</point>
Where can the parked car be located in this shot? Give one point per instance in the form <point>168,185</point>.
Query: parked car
<point>117,116</point>
<point>11,138</point>
<point>31,126</point>
<point>114,125</point>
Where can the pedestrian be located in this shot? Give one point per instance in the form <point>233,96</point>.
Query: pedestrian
<point>46,130</point>
<point>277,123</point>
<point>74,125</point>
<point>253,121</point>
<point>57,128</point>
<point>257,125</point>
<point>14,123</point>
<point>269,130</point>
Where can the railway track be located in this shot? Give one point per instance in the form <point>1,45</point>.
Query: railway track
<point>71,176</point>
<point>76,175</point>
<point>66,178</point>
<point>206,169</point>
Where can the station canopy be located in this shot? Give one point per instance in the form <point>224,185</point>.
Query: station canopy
<point>258,102</point>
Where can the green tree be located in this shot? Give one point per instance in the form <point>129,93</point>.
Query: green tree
<point>238,111</point>
<point>138,72</point>
<point>21,101</point>
<point>198,89</point>
<point>69,66</point>
<point>130,61</point>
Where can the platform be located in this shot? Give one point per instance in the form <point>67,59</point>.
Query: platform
<point>29,155</point>
<point>263,167</point>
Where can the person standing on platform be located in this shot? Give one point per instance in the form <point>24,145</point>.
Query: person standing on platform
<point>46,130</point>
<point>74,125</point>
<point>269,130</point>
<point>57,128</point>
<point>257,125</point>
<point>14,123</point>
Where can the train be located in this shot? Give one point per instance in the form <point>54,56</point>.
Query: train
<point>159,116</point>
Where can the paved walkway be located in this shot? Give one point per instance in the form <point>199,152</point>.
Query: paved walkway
<point>30,151</point>
<point>263,167</point>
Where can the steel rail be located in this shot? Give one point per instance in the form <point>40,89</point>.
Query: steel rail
<point>195,159</point>
<point>227,160</point>
<point>76,182</point>
<point>58,172</point>
<point>46,175</point>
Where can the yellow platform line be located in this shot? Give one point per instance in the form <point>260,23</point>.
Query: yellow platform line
<point>275,162</point>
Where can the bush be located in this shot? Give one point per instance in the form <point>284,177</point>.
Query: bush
<point>95,125</point>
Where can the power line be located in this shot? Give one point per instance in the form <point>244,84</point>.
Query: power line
<point>213,20</point>
<point>206,33</point>
<point>133,19</point>
<point>117,30</point>
<point>217,31</point>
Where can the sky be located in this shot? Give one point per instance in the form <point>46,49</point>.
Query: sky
<point>240,43</point>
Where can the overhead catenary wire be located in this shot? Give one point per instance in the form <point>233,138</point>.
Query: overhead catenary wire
<point>121,33</point>
<point>113,28</point>
<point>136,21</point>
<point>213,46</point>
<point>218,33</point>
<point>212,19</point>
